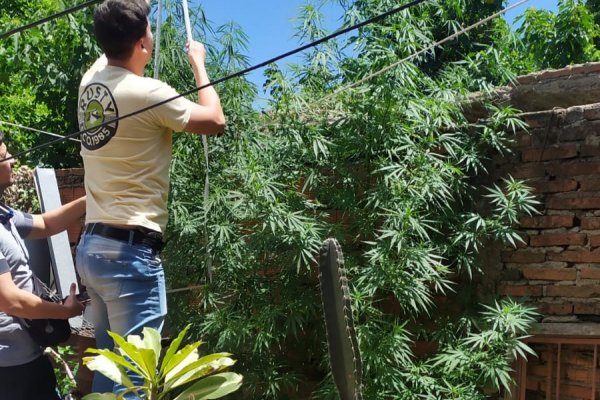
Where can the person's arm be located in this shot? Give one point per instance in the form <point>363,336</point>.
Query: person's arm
<point>21,303</point>
<point>207,116</point>
<point>57,220</point>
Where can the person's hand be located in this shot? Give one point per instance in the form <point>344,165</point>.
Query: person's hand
<point>74,307</point>
<point>196,52</point>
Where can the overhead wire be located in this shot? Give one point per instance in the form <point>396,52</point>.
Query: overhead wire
<point>422,51</point>
<point>41,21</point>
<point>237,74</point>
<point>27,128</point>
<point>384,70</point>
<point>312,44</point>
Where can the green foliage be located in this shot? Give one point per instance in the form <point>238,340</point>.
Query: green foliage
<point>391,168</point>
<point>40,70</point>
<point>179,368</point>
<point>65,369</point>
<point>557,40</point>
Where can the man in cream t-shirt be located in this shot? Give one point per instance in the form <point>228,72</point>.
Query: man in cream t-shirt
<point>127,171</point>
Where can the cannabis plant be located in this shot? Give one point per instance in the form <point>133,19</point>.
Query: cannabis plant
<point>178,370</point>
<point>389,162</point>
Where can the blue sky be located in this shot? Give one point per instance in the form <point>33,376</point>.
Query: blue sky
<point>270,25</point>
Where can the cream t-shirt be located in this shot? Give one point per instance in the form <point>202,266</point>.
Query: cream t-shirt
<point>127,162</point>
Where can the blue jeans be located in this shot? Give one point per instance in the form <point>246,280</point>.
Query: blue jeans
<point>126,284</point>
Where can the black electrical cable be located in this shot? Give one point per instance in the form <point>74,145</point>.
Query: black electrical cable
<point>228,77</point>
<point>68,11</point>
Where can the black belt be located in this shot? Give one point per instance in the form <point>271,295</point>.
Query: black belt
<point>138,235</point>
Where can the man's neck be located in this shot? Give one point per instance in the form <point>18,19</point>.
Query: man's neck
<point>129,65</point>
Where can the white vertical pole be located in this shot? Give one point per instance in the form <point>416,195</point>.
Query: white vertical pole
<point>188,30</point>
<point>186,20</point>
<point>157,40</point>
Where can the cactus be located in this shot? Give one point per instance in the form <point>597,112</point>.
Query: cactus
<point>344,353</point>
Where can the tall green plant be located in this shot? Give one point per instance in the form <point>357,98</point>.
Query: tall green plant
<point>390,167</point>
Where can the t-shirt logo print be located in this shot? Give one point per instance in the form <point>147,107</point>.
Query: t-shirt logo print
<point>96,107</point>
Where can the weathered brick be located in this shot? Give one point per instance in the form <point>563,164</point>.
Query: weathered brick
<point>524,171</point>
<point>537,119</point>
<point>580,202</point>
<point>558,239</point>
<point>519,290</point>
<point>594,240</point>
<point>575,168</point>
<point>523,257</point>
<point>563,185</point>
<point>550,274</point>
<point>587,68</point>
<point>548,221</point>
<point>574,132</point>
<point>554,152</point>
<point>523,139</point>
<point>589,150</point>
<point>526,79</point>
<point>589,273</point>
<point>589,184</point>
<point>590,223</point>
<point>585,309</point>
<point>573,291</point>
<point>573,114</point>
<point>556,308</point>
<point>591,113</point>
<point>575,256</point>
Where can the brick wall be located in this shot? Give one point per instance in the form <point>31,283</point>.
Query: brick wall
<point>70,187</point>
<point>558,266</point>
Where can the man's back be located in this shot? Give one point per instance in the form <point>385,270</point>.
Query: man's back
<point>127,161</point>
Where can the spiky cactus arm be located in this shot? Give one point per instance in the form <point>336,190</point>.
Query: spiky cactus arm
<point>344,354</point>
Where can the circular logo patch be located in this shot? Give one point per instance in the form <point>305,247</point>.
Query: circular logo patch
<point>97,107</point>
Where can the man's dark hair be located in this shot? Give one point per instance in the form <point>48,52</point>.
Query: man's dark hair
<point>1,138</point>
<point>119,24</point>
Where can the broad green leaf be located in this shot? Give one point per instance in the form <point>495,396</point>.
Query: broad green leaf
<point>152,341</point>
<point>108,368</point>
<point>187,353</point>
<point>120,360</point>
<point>207,365</point>
<point>212,387</point>
<point>100,396</point>
<point>143,358</point>
<point>182,364</point>
<point>173,348</point>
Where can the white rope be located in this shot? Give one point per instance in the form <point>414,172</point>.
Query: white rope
<point>157,40</point>
<point>186,20</point>
<point>26,128</point>
<point>186,289</point>
<point>209,271</point>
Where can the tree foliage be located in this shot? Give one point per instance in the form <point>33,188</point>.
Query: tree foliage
<point>573,29</point>
<point>40,70</point>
